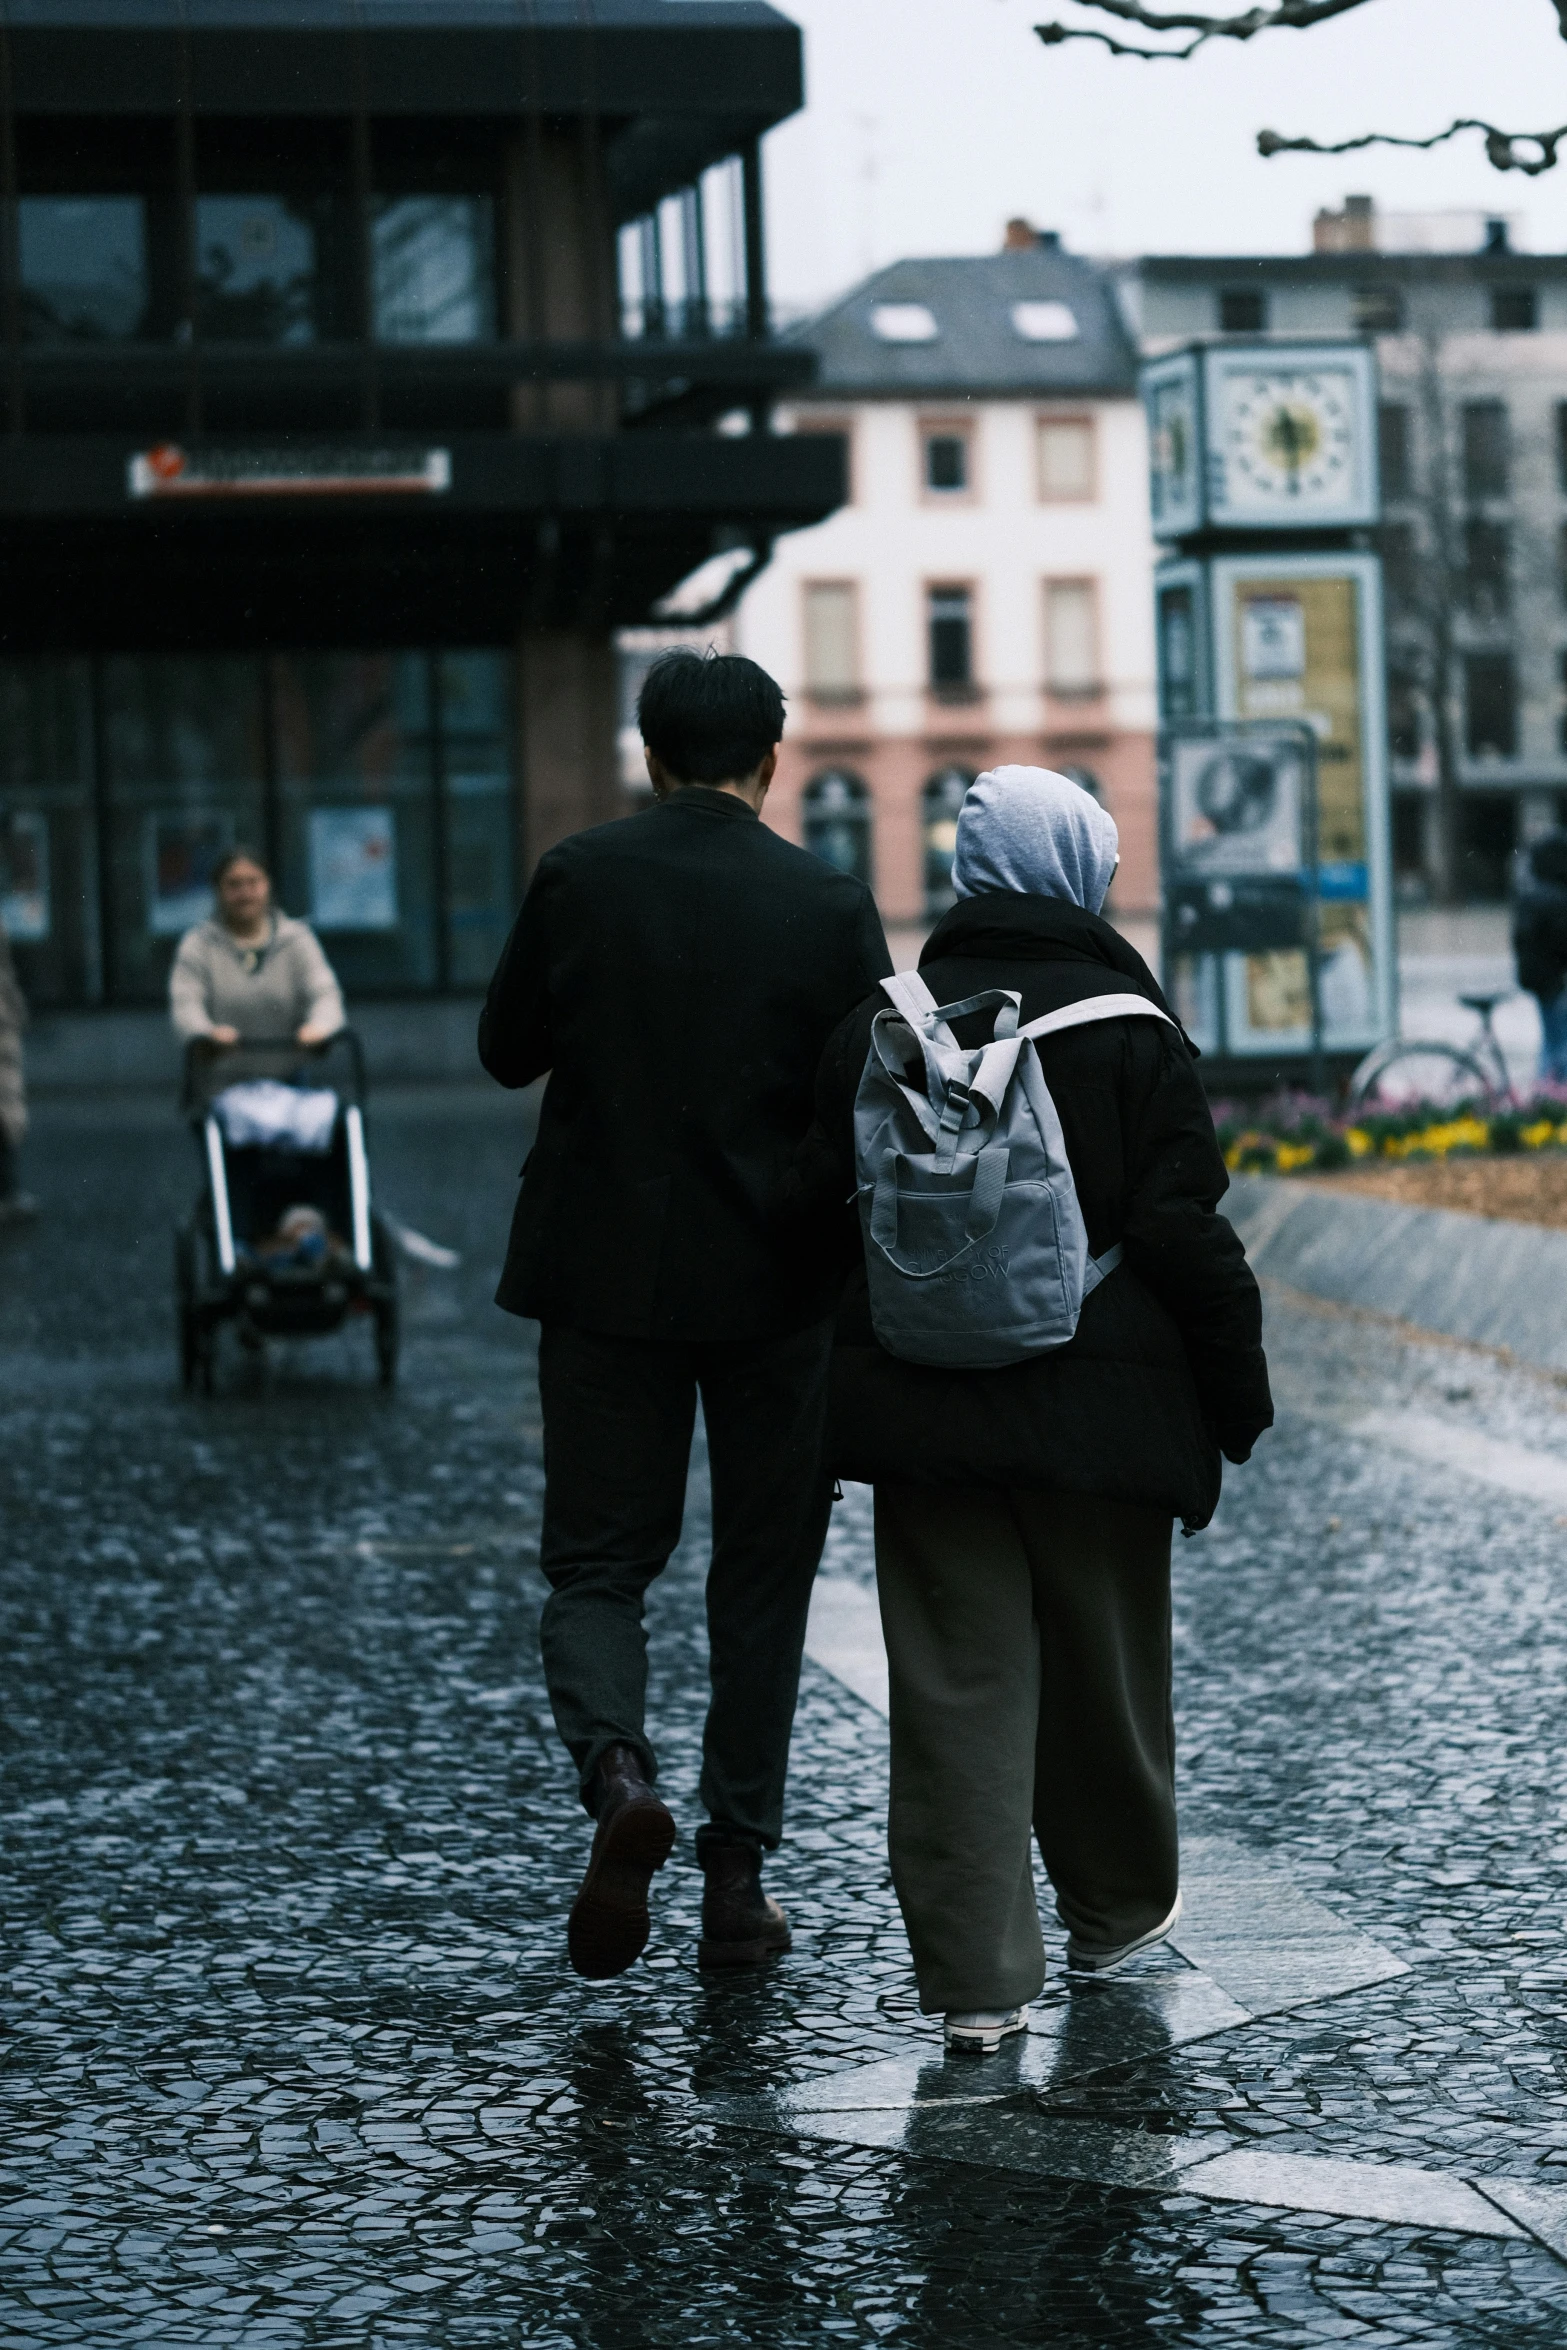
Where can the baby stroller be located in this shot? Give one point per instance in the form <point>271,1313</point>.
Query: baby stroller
<point>283,1241</point>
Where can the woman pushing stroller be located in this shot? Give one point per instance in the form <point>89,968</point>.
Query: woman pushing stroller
<point>1024,1513</point>
<point>283,1241</point>
<point>251,973</point>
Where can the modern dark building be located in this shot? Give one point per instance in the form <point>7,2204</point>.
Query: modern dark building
<point>364,365</point>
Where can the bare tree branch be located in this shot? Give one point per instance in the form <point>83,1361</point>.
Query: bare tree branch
<point>1530,152</point>
<point>1284,16</point>
<point>1503,148</point>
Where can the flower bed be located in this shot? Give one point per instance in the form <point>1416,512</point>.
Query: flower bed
<point>1296,1135</point>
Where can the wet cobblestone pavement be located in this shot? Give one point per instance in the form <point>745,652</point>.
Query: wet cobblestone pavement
<point>291,2055</point>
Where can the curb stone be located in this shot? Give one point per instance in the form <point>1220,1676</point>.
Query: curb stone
<point>1470,1277</point>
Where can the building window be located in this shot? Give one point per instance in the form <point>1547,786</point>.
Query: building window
<point>1561,714</point>
<point>1393,452</point>
<point>940,802</point>
<point>1514,310</point>
<point>379,786</point>
<point>258,277</point>
<point>1485,449</point>
<point>951,632</point>
<point>83,268</point>
<point>185,756</point>
<point>838,822</point>
<point>477,811</point>
<point>1409,845</point>
<point>839,428</point>
<point>1376,310</point>
<point>1490,706</point>
<point>1487,568</point>
<point>49,899</point>
<point>1243,310</point>
<point>947,458</point>
<point>1404,705</point>
<point>1072,638</point>
<point>1487,838</point>
<point>433,269</point>
<point>832,640</point>
<point>1400,563</point>
<point>1066,459</point>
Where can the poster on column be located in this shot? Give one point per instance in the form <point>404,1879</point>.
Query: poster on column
<point>1298,638</point>
<point>353,868</point>
<point>180,854</point>
<point>24,877</point>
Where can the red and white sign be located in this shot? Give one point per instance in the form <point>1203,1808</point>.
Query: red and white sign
<point>168,471</point>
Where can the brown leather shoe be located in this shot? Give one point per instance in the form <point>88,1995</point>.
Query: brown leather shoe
<point>741,1926</point>
<point>609,1923</point>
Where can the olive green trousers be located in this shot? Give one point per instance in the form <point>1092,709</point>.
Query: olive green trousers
<point>1028,1642</point>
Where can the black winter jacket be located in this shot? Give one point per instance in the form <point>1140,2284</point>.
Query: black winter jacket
<point>1540,918</point>
<point>1167,1366</point>
<point>677,973</point>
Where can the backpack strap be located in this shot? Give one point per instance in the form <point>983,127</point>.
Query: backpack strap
<point>1092,1008</point>
<point>1082,1015</point>
<point>916,1003</point>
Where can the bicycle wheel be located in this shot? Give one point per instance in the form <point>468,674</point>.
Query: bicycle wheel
<point>1396,1076</point>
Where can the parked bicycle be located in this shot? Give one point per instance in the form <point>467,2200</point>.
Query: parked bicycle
<point>1429,1069</point>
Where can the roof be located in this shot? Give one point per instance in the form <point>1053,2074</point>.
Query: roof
<point>1503,264</point>
<point>680,83</point>
<point>984,345</point>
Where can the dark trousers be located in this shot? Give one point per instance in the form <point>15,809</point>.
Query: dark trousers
<point>1028,1647</point>
<point>618,1418</point>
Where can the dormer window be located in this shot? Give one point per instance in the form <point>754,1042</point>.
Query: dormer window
<point>903,322</point>
<point>1045,322</point>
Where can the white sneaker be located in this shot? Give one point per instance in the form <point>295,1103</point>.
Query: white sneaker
<point>979,2031</point>
<point>1093,1958</point>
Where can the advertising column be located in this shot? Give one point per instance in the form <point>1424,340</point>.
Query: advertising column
<point>1270,614</point>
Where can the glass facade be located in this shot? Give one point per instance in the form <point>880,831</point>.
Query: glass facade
<point>433,260</point>
<point>49,899</point>
<point>379,786</point>
<point>257,269</point>
<point>83,266</point>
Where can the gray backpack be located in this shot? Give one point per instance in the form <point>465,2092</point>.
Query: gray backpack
<point>974,1238</point>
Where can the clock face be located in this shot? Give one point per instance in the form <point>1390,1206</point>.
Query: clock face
<point>1287,440</point>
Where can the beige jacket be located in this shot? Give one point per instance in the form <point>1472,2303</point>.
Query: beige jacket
<point>211,986</point>
<point>13,1019</point>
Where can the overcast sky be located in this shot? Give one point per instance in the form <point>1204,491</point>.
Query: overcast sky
<point>929,122</point>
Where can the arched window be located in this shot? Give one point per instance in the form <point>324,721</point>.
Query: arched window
<point>941,800</point>
<point>838,822</point>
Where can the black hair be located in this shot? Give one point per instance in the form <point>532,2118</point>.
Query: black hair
<point>238,856</point>
<point>710,718</point>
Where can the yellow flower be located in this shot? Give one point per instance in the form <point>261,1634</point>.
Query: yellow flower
<point>1535,1137</point>
<point>1359,1141</point>
<point>1293,1155</point>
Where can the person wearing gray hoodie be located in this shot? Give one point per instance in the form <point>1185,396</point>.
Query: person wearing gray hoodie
<point>1024,1515</point>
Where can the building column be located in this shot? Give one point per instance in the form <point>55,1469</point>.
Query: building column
<point>567,727</point>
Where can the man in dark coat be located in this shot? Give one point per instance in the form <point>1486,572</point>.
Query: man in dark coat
<point>1540,944</point>
<point>677,974</point>
<point>1024,1515</point>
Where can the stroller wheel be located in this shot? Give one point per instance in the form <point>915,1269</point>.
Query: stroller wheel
<point>198,1346</point>
<point>386,1342</point>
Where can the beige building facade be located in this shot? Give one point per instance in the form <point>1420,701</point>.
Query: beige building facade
<point>983,596</point>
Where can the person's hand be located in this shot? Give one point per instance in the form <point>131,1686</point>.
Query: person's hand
<point>221,1038</point>
<point>314,1032</point>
